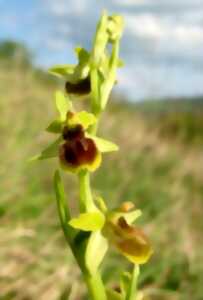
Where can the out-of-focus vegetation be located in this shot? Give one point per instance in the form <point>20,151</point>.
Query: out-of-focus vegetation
<point>159,167</point>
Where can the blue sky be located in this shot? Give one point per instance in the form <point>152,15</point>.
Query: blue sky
<point>162,46</point>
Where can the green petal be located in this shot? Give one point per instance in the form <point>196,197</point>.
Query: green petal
<point>84,118</point>
<point>55,127</point>
<point>104,145</point>
<point>92,221</point>
<point>49,152</point>
<point>96,249</point>
<point>132,216</point>
<point>101,204</point>
<point>63,105</point>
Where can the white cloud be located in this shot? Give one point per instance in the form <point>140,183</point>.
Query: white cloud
<point>130,2</point>
<point>56,45</point>
<point>160,29</point>
<point>66,7</point>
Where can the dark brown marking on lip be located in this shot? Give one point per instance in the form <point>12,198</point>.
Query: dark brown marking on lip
<point>78,152</point>
<point>73,133</point>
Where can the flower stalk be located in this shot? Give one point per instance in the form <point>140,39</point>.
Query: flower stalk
<point>80,151</point>
<point>132,291</point>
<point>86,199</point>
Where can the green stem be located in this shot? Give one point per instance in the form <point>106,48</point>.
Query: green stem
<point>94,282</point>
<point>95,90</point>
<point>132,291</point>
<point>95,287</point>
<point>86,200</point>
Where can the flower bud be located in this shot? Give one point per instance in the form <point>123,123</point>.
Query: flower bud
<point>81,87</point>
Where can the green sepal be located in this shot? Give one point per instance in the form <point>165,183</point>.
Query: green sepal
<point>101,40</point>
<point>91,221</point>
<point>104,145</point>
<point>84,118</point>
<point>55,126</point>
<point>74,73</point>
<point>82,69</point>
<point>97,247</point>
<point>62,70</point>
<point>113,295</point>
<point>50,152</point>
<point>110,79</point>
<point>63,105</point>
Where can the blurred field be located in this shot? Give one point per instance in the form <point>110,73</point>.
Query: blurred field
<point>159,167</point>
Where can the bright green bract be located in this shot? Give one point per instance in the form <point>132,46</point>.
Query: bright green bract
<point>91,221</point>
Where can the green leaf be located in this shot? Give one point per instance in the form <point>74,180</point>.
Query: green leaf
<point>96,249</point>
<point>91,221</point>
<point>49,152</point>
<point>66,293</point>
<point>113,295</point>
<point>63,210</point>
<point>104,145</point>
<point>60,196</point>
<point>63,105</point>
<point>84,118</point>
<point>125,283</point>
<point>55,127</point>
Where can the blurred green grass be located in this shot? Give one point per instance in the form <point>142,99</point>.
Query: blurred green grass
<point>157,168</point>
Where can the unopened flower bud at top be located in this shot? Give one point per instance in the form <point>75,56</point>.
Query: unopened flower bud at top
<point>80,88</point>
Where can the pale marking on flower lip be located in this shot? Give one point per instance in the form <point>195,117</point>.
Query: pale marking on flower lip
<point>84,143</point>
